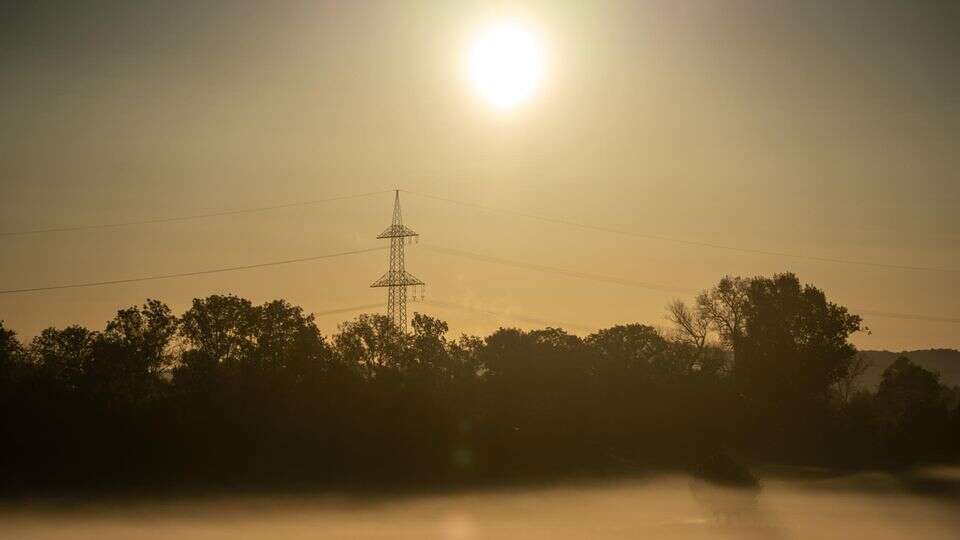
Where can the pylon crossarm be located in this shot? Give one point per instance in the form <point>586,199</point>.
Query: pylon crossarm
<point>397,231</point>
<point>399,280</point>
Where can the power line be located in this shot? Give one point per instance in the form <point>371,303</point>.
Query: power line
<point>547,219</point>
<point>449,305</point>
<point>909,316</point>
<point>664,288</point>
<point>462,307</point>
<point>347,309</point>
<point>611,230</point>
<point>188,217</point>
<point>455,252</point>
<point>188,274</point>
<point>559,271</point>
<point>519,318</point>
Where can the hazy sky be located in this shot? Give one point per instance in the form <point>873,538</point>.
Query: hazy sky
<point>827,129</point>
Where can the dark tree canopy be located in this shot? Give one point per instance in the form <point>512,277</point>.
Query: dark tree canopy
<point>231,392</point>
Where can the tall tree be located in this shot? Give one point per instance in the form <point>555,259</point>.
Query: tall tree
<point>794,343</point>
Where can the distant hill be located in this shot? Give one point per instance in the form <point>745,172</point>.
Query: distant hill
<point>944,361</point>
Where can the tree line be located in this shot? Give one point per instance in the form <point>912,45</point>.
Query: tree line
<point>233,393</point>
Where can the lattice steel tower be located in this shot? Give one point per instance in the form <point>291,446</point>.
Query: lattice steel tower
<point>397,279</point>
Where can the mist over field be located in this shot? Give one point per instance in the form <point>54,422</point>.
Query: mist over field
<point>800,504</point>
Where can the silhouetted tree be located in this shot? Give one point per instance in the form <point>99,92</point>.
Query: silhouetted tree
<point>15,406</point>
<point>627,348</point>
<point>372,343</point>
<point>725,307</point>
<point>10,348</point>
<point>130,357</point>
<point>430,344</point>
<point>534,398</point>
<point>220,328</point>
<point>913,411</point>
<point>11,356</point>
<point>64,356</point>
<point>692,326</point>
<point>795,343</point>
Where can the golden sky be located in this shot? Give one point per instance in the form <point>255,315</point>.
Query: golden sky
<point>801,128</point>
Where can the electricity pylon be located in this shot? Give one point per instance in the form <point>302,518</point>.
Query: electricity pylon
<point>397,279</point>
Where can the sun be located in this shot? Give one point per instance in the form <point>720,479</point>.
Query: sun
<point>505,64</point>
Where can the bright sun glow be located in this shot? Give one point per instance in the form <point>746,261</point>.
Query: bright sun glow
<point>506,64</point>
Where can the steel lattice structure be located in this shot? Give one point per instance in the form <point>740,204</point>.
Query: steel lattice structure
<point>397,279</point>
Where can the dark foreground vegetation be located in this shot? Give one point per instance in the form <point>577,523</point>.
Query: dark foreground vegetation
<point>233,394</point>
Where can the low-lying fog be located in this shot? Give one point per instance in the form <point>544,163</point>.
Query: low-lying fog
<point>810,505</point>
